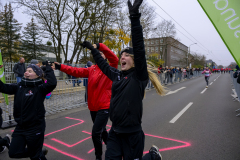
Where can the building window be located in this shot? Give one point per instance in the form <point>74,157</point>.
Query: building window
<point>156,49</point>
<point>148,49</point>
<point>147,42</point>
<point>156,41</point>
<point>152,42</point>
<point>161,40</point>
<point>152,50</point>
<point>161,49</point>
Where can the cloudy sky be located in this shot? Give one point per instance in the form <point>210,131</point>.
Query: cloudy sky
<point>193,26</point>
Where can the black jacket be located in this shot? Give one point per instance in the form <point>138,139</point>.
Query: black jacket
<point>128,87</point>
<point>19,69</point>
<point>29,96</point>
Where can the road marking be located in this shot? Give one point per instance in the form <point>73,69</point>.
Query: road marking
<point>214,79</point>
<point>203,90</point>
<point>171,92</point>
<point>211,83</point>
<point>181,113</point>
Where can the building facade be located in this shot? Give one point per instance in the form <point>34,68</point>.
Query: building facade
<point>170,50</point>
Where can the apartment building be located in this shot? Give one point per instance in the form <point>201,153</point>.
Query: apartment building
<point>170,50</point>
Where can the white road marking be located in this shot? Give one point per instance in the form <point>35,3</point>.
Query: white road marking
<point>181,113</point>
<point>211,83</point>
<point>214,79</point>
<point>171,92</point>
<point>203,90</point>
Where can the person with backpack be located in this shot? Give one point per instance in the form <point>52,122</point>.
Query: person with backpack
<point>126,137</point>
<point>29,112</point>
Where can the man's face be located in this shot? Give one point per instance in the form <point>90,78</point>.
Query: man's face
<point>22,60</point>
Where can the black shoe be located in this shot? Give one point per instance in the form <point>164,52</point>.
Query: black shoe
<point>155,154</point>
<point>2,149</point>
<point>98,157</point>
<point>7,138</point>
<point>45,151</point>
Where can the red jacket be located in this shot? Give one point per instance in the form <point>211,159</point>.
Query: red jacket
<point>99,85</point>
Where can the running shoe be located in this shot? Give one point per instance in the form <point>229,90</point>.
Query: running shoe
<point>45,151</point>
<point>155,154</point>
<point>66,82</point>
<point>2,149</point>
<point>8,139</point>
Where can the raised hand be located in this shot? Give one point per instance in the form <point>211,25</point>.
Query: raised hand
<point>134,9</point>
<point>87,44</point>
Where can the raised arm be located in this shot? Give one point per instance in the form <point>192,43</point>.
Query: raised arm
<point>112,58</point>
<point>111,72</point>
<point>51,81</point>
<point>74,71</point>
<point>8,88</point>
<point>137,41</point>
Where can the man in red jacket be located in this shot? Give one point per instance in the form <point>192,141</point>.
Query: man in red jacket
<point>99,94</point>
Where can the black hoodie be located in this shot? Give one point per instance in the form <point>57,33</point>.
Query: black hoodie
<point>128,86</point>
<point>29,96</point>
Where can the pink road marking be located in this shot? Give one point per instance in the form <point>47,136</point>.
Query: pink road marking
<point>81,121</point>
<point>92,149</point>
<point>86,132</point>
<point>186,144</point>
<point>67,154</point>
<point>68,145</point>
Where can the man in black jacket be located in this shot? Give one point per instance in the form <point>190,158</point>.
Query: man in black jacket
<point>19,69</point>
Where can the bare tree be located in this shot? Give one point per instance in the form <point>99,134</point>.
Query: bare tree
<point>67,22</point>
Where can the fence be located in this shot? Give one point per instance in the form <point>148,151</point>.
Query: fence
<point>65,96</point>
<point>11,78</point>
<point>236,91</point>
<point>177,77</point>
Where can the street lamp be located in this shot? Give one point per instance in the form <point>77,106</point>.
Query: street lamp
<point>189,52</point>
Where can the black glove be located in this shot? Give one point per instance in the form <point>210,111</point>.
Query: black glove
<point>134,9</point>
<point>87,44</point>
<point>57,66</point>
<point>43,68</point>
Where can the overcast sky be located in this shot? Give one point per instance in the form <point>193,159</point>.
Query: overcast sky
<point>196,27</point>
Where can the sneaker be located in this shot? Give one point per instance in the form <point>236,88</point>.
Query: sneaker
<point>155,154</point>
<point>45,151</point>
<point>66,82</point>
<point>8,139</point>
<point>2,149</point>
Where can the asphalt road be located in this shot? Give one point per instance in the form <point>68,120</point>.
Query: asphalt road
<point>189,123</point>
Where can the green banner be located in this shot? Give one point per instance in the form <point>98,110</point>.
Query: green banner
<point>224,14</point>
<point>2,77</point>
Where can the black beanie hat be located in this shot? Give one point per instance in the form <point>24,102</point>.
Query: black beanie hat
<point>36,69</point>
<point>127,50</point>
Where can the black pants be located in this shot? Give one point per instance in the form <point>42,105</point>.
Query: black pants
<point>207,79</point>
<point>32,138</point>
<point>3,142</point>
<point>99,132</point>
<point>126,146</point>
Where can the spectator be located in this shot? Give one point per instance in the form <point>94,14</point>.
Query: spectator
<point>19,69</point>
<point>69,76</point>
<point>36,62</point>
<point>85,82</point>
<point>236,73</point>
